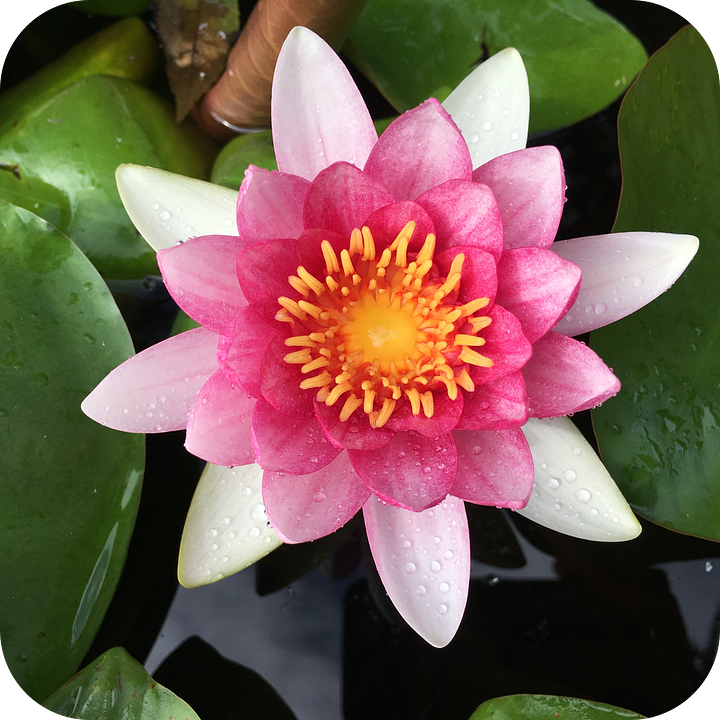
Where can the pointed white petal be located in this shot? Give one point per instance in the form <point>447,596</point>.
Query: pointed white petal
<point>318,114</point>
<point>423,560</point>
<point>226,528</point>
<point>491,106</point>
<point>621,272</point>
<point>168,208</point>
<point>573,493</point>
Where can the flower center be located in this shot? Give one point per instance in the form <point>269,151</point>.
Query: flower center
<point>381,331</point>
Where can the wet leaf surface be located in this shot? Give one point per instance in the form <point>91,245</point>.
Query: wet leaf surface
<point>541,707</point>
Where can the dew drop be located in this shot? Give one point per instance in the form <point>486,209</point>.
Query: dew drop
<point>212,533</point>
<point>514,136</point>
<point>487,125</point>
<point>594,512</point>
<point>496,94</point>
<point>474,138</point>
<point>583,495</point>
<point>164,215</point>
<point>225,521</point>
<point>254,532</point>
<point>708,566</point>
<point>442,609</point>
<point>637,282</point>
<point>569,476</point>
<point>436,540</point>
<point>600,308</point>
<point>448,555</point>
<point>410,568</point>
<point>227,222</point>
<point>553,483</point>
<point>577,451</point>
<point>421,590</point>
<point>435,566</point>
<point>443,587</point>
<point>407,544</point>
<point>258,513</point>
<point>155,206</point>
<point>319,497</point>
<point>213,547</point>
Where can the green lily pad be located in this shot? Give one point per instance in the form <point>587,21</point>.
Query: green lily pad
<point>116,687</point>
<point>547,707</point>
<point>70,487</point>
<point>59,162</point>
<point>660,437</point>
<point>578,58</point>
<point>232,161</point>
<point>126,50</point>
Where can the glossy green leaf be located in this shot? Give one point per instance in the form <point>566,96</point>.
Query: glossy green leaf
<point>578,58</point>
<point>112,7</point>
<point>250,148</point>
<point>660,437</point>
<point>126,50</point>
<point>548,707</point>
<point>116,687</point>
<point>60,161</point>
<point>70,487</point>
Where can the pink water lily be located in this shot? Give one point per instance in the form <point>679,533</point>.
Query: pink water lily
<point>385,331</point>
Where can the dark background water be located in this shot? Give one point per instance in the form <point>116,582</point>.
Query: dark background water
<point>635,625</point>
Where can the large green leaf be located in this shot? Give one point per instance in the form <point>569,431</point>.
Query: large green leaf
<point>660,437</point>
<point>126,50</point>
<point>59,161</point>
<point>70,487</point>
<point>578,58</point>
<point>548,707</point>
<point>116,687</point>
<point>232,161</point>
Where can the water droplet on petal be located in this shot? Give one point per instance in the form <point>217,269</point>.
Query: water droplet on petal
<point>410,568</point>
<point>583,495</point>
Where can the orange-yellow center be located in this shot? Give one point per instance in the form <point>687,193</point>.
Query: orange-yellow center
<point>381,331</point>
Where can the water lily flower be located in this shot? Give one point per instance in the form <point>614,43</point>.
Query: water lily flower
<point>385,326</point>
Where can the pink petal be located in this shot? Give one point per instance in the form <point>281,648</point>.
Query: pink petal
<point>263,271</point>
<point>302,508</point>
<point>387,222</point>
<point>411,471</point>
<point>341,198</point>
<point>355,433</point>
<point>309,252</point>
<point>565,376</point>
<point>200,275</point>
<point>446,414</point>
<point>496,405</point>
<point>505,345</point>
<point>622,272</point>
<point>465,213</point>
<point>280,382</point>
<point>289,445</point>
<point>421,149</point>
<point>154,390</point>
<point>423,560</point>
<point>242,348</point>
<point>529,186</point>
<point>494,468</point>
<point>479,272</point>
<point>270,205</point>
<point>318,114</point>
<point>219,425</point>
<point>537,287</point>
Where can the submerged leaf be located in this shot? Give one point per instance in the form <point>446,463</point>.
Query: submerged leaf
<point>196,37</point>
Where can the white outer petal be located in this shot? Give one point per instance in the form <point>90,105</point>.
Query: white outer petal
<point>621,272</point>
<point>423,560</point>
<point>226,527</point>
<point>573,493</point>
<point>491,106</point>
<point>167,208</point>
<point>318,115</point>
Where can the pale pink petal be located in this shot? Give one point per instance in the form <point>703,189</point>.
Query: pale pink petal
<point>386,223</point>
<point>302,508</point>
<point>289,445</point>
<point>354,433</point>
<point>479,273</point>
<point>200,275</point>
<point>270,205</point>
<point>318,114</point>
<point>529,186</point>
<point>242,347</point>
<point>497,405</point>
<point>505,345</point>
<point>341,198</point>
<point>621,273</point>
<point>421,149</point>
<point>423,560</point>
<point>465,213</point>
<point>219,425</point>
<point>537,287</point>
<point>154,390</point>
<point>411,471</point>
<point>494,468</point>
<point>280,382</point>
<point>492,106</point>
<point>263,271</point>
<point>445,417</point>
<point>565,376</point>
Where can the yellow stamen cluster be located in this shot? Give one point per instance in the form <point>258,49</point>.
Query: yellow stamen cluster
<point>378,331</point>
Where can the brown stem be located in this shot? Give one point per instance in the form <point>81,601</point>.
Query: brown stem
<point>240,100</point>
